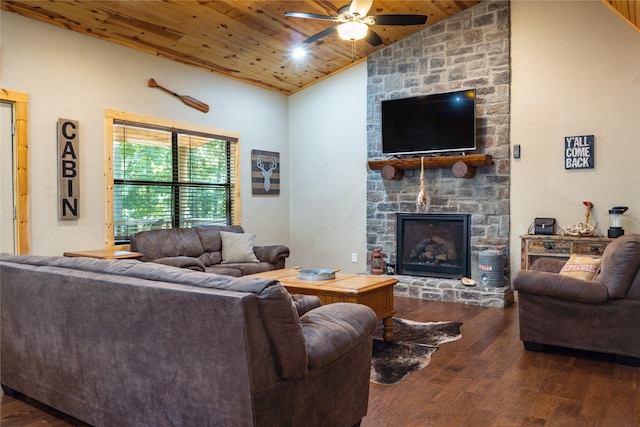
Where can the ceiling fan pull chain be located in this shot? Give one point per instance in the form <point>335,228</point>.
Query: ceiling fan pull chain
<point>353,50</point>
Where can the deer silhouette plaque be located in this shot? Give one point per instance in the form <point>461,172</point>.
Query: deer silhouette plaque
<point>265,172</point>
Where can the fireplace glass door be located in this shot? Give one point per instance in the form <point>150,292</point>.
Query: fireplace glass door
<point>433,245</point>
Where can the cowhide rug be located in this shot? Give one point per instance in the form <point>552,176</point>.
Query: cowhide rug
<point>413,343</point>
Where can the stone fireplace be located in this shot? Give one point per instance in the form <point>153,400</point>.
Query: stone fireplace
<point>468,50</point>
<point>433,245</point>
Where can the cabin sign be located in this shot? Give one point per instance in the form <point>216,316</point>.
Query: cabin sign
<point>578,152</point>
<point>68,169</point>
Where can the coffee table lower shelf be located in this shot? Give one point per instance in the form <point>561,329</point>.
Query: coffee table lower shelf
<point>375,292</point>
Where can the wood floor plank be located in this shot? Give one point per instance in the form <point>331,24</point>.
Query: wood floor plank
<point>488,379</point>
<point>484,379</point>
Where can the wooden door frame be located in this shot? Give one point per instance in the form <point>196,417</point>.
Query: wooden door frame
<point>21,167</point>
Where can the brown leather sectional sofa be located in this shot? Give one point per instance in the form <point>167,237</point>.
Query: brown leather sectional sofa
<point>129,343</point>
<point>200,249</point>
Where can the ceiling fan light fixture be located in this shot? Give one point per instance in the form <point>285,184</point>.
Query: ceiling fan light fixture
<point>299,52</point>
<point>352,31</point>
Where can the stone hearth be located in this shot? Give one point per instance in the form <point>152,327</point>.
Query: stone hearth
<point>452,290</point>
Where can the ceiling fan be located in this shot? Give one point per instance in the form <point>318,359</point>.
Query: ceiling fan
<point>352,22</point>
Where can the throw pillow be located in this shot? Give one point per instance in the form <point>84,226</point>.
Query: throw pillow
<point>581,267</point>
<point>237,247</point>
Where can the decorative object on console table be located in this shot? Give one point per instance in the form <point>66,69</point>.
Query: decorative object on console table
<point>546,226</point>
<point>581,228</point>
<point>377,262</point>
<point>534,247</point>
<point>615,215</point>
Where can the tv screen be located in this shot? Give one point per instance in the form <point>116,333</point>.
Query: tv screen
<point>430,123</point>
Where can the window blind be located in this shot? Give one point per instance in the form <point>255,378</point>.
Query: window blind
<point>170,178</point>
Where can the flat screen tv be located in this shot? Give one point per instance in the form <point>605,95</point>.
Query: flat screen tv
<point>430,123</point>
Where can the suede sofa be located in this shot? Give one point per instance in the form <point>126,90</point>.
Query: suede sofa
<point>600,315</point>
<point>202,249</point>
<point>128,343</point>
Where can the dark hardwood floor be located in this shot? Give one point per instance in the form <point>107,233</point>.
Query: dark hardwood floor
<point>484,379</point>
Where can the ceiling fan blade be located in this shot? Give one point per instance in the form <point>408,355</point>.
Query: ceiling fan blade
<point>309,16</point>
<point>320,35</point>
<point>361,7</point>
<point>372,38</point>
<point>400,19</point>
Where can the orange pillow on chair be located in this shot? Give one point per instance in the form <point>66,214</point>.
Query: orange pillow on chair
<point>581,267</point>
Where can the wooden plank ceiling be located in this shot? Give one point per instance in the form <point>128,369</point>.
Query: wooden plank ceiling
<point>248,40</point>
<point>628,10</point>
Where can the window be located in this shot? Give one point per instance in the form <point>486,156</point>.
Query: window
<point>165,177</point>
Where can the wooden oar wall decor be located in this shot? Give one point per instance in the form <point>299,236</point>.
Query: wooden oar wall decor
<point>191,102</point>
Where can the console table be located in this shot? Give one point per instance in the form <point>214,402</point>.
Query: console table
<point>536,246</point>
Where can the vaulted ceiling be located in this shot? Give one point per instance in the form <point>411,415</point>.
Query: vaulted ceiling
<point>248,40</point>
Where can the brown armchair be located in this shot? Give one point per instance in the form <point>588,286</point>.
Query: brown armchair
<point>600,315</point>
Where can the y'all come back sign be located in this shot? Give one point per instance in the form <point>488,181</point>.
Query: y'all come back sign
<point>578,152</point>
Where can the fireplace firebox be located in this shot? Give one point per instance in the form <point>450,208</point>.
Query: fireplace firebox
<point>433,245</point>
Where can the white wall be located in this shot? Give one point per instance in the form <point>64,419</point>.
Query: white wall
<point>73,76</point>
<point>328,149</point>
<point>576,71</point>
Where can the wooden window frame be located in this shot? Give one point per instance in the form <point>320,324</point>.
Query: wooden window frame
<point>112,115</point>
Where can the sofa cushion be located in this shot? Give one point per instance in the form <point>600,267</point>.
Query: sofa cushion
<point>108,266</point>
<point>581,267</point>
<point>237,247</point>
<point>223,269</point>
<point>305,303</point>
<point>154,244</point>
<point>278,312</point>
<point>210,236</point>
<point>183,262</point>
<point>550,265</point>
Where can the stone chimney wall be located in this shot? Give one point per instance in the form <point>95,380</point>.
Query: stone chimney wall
<point>468,50</point>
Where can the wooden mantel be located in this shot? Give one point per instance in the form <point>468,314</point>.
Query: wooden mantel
<point>462,166</point>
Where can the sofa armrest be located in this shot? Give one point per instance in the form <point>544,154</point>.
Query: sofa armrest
<point>182,262</point>
<point>560,286</point>
<point>332,330</point>
<point>274,254</point>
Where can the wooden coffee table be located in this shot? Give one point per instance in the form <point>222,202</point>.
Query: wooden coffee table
<point>375,292</point>
<point>104,254</point>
